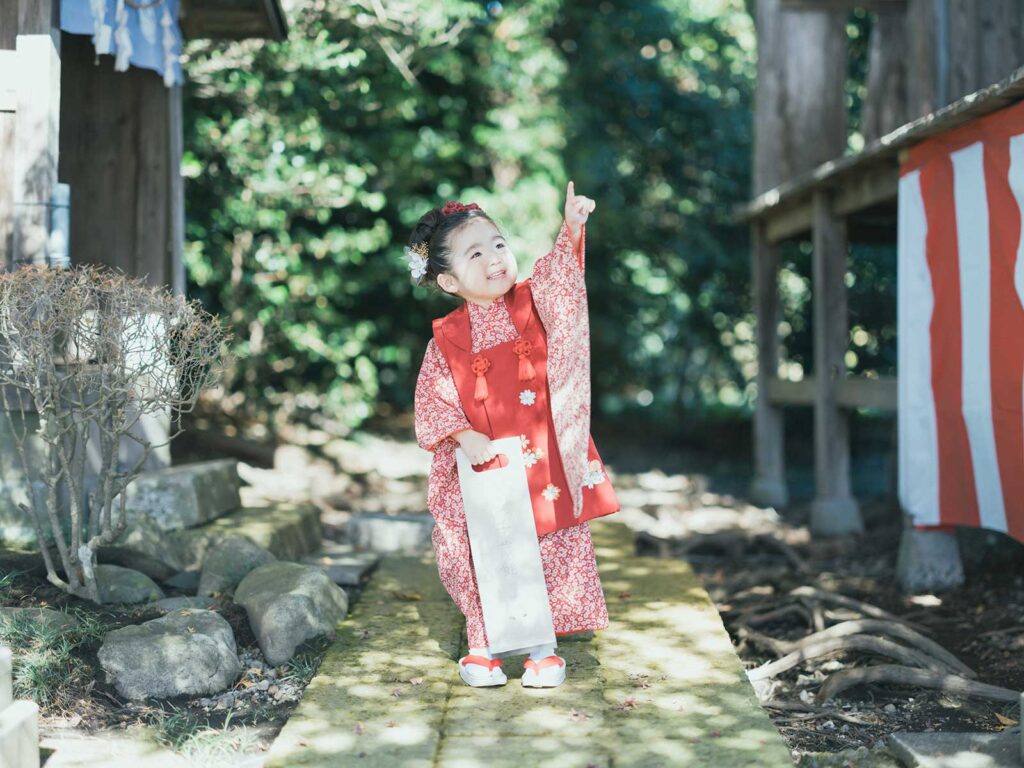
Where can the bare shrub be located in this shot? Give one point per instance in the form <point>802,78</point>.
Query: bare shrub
<point>91,351</point>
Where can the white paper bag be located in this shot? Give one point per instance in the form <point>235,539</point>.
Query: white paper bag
<point>506,554</point>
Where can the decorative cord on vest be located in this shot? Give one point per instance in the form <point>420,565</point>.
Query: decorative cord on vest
<point>523,347</point>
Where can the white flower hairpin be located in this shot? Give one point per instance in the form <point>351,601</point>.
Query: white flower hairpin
<point>416,257</point>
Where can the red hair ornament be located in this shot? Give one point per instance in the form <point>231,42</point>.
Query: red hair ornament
<point>454,206</point>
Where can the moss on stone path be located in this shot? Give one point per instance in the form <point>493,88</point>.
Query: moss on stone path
<point>661,686</point>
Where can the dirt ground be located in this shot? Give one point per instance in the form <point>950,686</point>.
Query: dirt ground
<point>682,497</point>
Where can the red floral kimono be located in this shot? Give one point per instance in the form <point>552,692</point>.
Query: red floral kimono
<point>567,554</point>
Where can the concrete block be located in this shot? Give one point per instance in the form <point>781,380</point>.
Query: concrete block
<point>958,750</point>
<point>381,532</point>
<point>186,495</point>
<point>835,516</point>
<point>19,735</point>
<point>928,561</point>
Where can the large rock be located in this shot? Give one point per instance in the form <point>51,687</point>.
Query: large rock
<point>289,603</point>
<point>123,585</point>
<point>186,495</point>
<point>381,532</point>
<point>228,561</point>
<point>288,531</point>
<point>143,547</point>
<point>185,652</point>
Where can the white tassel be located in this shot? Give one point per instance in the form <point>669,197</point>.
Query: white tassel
<point>122,39</point>
<point>147,23</point>
<point>100,29</point>
<point>170,60</point>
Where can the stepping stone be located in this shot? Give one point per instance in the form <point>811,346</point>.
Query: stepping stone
<point>185,495</point>
<point>378,698</point>
<point>675,689</point>
<point>343,565</point>
<point>661,686</point>
<point>381,532</point>
<point>957,750</point>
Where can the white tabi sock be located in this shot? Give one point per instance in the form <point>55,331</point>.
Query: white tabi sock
<point>542,652</point>
<point>485,652</point>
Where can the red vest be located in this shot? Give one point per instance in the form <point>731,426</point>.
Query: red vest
<point>504,393</point>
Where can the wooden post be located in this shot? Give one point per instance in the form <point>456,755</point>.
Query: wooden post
<point>834,511</point>
<point>36,130</point>
<point>769,484</point>
<point>19,723</point>
<point>176,192</point>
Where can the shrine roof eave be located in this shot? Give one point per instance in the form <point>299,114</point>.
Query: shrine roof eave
<point>233,19</point>
<point>882,153</point>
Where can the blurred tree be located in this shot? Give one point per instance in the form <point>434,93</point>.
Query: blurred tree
<point>310,161</point>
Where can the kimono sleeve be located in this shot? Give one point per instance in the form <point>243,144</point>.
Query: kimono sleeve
<point>438,410</point>
<point>558,285</point>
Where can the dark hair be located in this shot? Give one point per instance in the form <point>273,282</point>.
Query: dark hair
<point>436,230</point>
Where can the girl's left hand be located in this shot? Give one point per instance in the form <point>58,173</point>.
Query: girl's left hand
<point>577,208</point>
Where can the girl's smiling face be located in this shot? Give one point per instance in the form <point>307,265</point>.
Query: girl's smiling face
<point>482,265</point>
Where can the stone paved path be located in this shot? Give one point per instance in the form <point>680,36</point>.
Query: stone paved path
<point>660,686</point>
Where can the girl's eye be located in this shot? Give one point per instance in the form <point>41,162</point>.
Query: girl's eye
<point>475,255</point>
<point>501,245</point>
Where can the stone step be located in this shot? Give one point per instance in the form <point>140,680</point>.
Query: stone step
<point>343,564</point>
<point>661,686</point>
<point>186,495</point>
<point>289,531</point>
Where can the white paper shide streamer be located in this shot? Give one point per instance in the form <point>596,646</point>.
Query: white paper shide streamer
<point>122,38</point>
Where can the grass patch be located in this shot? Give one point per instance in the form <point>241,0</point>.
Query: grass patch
<point>49,667</point>
<point>303,665</point>
<point>192,735</point>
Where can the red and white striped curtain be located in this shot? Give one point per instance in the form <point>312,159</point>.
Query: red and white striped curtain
<point>961,326</point>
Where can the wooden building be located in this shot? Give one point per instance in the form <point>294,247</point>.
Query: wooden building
<point>90,157</point>
<point>933,64</point>
<point>115,138</point>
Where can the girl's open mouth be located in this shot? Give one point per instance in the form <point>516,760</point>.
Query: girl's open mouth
<point>497,275</point>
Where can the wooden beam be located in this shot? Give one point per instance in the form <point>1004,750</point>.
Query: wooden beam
<point>861,392</point>
<point>834,510</point>
<point>834,174</point>
<point>783,392</point>
<point>876,185</point>
<point>842,5</point>
<point>235,20</point>
<point>769,484</point>
<point>794,220</point>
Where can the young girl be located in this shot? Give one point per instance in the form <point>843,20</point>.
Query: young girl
<point>512,360</point>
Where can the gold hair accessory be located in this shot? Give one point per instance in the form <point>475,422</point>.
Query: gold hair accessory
<point>416,257</point>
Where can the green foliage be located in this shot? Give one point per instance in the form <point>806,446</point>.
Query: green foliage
<point>309,162</point>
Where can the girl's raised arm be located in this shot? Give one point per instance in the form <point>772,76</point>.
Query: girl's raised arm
<point>437,406</point>
<point>559,290</point>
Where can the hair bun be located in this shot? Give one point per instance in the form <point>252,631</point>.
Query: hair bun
<point>426,227</point>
